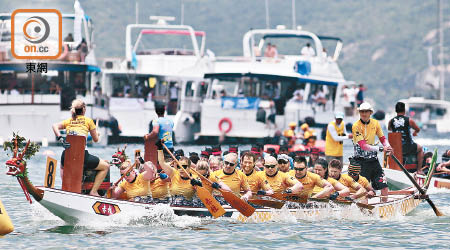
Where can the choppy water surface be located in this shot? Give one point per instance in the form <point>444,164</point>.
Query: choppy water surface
<point>35,227</point>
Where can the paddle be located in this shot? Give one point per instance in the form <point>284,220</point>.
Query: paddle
<point>289,197</point>
<point>205,196</point>
<point>435,209</point>
<point>236,202</point>
<point>347,202</point>
<point>267,203</point>
<point>109,192</point>
<point>431,170</point>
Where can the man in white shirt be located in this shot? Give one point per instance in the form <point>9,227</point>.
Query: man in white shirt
<point>308,50</point>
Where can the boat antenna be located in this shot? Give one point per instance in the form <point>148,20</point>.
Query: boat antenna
<point>162,20</point>
<point>441,52</point>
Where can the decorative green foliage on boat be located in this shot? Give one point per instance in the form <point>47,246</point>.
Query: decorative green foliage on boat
<point>20,141</point>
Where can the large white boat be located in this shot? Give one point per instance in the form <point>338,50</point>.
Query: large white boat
<point>31,102</point>
<point>259,93</point>
<point>163,63</point>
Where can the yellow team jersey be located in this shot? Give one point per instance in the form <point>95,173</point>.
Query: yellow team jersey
<point>139,187</point>
<point>237,181</point>
<point>332,181</point>
<point>257,181</point>
<point>332,147</point>
<point>160,188</point>
<point>207,184</point>
<point>309,182</point>
<point>281,181</point>
<point>179,186</point>
<point>363,182</point>
<point>348,181</point>
<point>80,126</point>
<point>366,132</point>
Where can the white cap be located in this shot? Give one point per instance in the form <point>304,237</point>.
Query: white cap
<point>339,115</point>
<point>365,106</point>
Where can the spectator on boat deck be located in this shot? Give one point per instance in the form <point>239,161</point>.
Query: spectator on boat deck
<point>364,131</point>
<point>181,185</point>
<point>162,128</point>
<point>268,50</point>
<point>321,168</point>
<point>274,51</point>
<point>308,50</point>
<point>335,135</point>
<point>256,179</point>
<point>360,94</point>
<point>215,163</point>
<point>313,157</point>
<point>82,49</point>
<point>280,181</point>
<point>256,50</point>
<point>203,169</point>
<point>204,155</point>
<point>335,172</point>
<point>137,186</point>
<point>223,93</point>
<point>353,171</point>
<point>349,93</point>
<point>403,125</point>
<point>319,97</point>
<point>78,124</point>
<point>234,178</point>
<point>298,96</point>
<point>444,166</point>
<point>310,180</point>
<point>324,53</point>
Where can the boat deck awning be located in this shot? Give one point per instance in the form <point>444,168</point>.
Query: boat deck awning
<point>273,77</point>
<point>301,36</point>
<point>58,66</point>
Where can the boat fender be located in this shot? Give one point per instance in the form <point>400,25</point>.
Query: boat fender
<point>6,225</point>
<point>230,125</point>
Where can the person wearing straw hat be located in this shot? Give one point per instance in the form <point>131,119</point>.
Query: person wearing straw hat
<point>366,152</point>
<point>334,147</point>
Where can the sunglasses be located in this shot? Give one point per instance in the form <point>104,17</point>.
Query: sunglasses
<point>270,166</point>
<point>353,174</point>
<point>228,163</point>
<point>299,169</point>
<point>282,162</point>
<point>184,166</point>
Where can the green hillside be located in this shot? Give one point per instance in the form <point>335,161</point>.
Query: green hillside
<point>384,45</point>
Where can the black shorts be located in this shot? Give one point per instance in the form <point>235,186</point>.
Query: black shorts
<point>410,149</point>
<point>90,161</point>
<point>371,169</point>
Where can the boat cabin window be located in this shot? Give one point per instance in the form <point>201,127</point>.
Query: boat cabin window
<point>152,42</point>
<point>189,89</point>
<point>203,89</point>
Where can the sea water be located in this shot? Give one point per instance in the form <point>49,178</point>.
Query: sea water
<point>36,228</point>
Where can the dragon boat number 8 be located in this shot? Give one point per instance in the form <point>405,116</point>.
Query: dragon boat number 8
<point>225,120</point>
<point>50,173</point>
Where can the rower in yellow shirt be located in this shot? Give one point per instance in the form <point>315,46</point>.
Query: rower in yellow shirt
<point>203,169</point>
<point>181,185</point>
<point>256,179</point>
<point>334,171</point>
<point>353,171</point>
<point>310,180</point>
<point>280,182</point>
<point>321,168</point>
<point>135,185</point>
<point>233,178</point>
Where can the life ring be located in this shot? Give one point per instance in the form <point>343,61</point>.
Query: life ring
<point>230,125</point>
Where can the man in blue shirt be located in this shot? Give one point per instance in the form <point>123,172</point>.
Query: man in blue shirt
<point>162,128</point>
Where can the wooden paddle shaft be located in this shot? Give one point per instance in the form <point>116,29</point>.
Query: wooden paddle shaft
<point>123,176</point>
<point>178,163</point>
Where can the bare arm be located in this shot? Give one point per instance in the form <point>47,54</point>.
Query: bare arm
<point>413,125</point>
<point>117,191</point>
<point>326,191</point>
<point>94,134</point>
<point>342,190</point>
<point>224,186</point>
<point>153,134</point>
<point>297,188</point>
<point>167,169</point>
<point>360,191</point>
<point>149,171</point>
<point>56,127</point>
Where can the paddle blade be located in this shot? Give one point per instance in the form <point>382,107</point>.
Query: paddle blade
<point>236,202</point>
<point>430,170</point>
<point>435,209</point>
<point>210,203</point>
<point>289,197</point>
<point>267,203</point>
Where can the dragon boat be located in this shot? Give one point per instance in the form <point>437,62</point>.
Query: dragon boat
<point>73,206</point>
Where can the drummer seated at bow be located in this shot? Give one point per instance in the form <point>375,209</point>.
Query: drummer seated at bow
<point>310,180</point>
<point>280,182</point>
<point>353,171</point>
<point>334,172</point>
<point>203,169</point>
<point>136,186</point>
<point>233,178</point>
<point>182,182</point>
<point>321,168</point>
<point>256,179</point>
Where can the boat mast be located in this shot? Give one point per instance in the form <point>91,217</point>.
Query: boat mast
<point>267,15</point>
<point>293,15</point>
<point>441,52</point>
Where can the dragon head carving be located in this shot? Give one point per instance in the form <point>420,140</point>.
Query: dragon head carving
<point>119,157</point>
<point>17,165</point>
